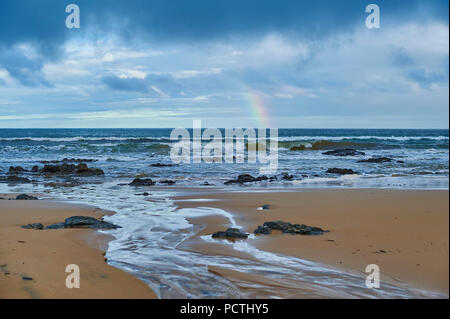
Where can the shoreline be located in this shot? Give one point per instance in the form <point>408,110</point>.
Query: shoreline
<point>353,242</point>
<point>43,255</point>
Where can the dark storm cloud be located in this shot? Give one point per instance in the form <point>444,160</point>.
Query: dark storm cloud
<point>43,21</point>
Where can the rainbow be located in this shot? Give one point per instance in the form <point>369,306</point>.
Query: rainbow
<point>258,108</point>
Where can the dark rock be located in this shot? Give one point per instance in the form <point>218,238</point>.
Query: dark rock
<point>340,171</point>
<point>145,194</point>
<point>263,230</point>
<point>298,148</point>
<point>26,197</point>
<point>104,225</point>
<point>287,177</point>
<point>59,169</point>
<point>55,226</point>
<point>70,160</point>
<point>142,182</point>
<point>230,233</point>
<point>344,152</point>
<point>80,169</point>
<point>26,278</point>
<point>63,184</point>
<point>246,178</point>
<point>35,169</point>
<point>75,221</point>
<point>84,170</point>
<point>79,160</point>
<point>167,182</point>
<point>376,160</point>
<point>161,165</point>
<point>33,226</point>
<point>16,169</point>
<point>86,221</point>
<point>401,162</point>
<point>288,228</point>
<point>17,180</point>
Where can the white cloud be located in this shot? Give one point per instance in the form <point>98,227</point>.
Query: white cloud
<point>126,74</point>
<point>290,92</point>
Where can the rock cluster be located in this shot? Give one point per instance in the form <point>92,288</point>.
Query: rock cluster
<point>75,222</point>
<point>80,169</point>
<point>288,228</point>
<point>26,197</point>
<point>231,233</point>
<point>15,169</point>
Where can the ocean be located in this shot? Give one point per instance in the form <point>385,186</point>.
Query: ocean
<point>152,227</point>
<point>420,157</point>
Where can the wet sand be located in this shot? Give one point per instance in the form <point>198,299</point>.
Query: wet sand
<point>44,254</point>
<point>404,232</point>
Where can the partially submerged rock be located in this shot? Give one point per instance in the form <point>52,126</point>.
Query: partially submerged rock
<point>26,197</point>
<point>87,221</point>
<point>285,176</point>
<point>167,182</point>
<point>246,178</point>
<point>341,171</point>
<point>80,169</point>
<point>230,233</point>
<point>84,170</point>
<point>288,228</point>
<point>344,152</point>
<point>63,184</point>
<point>298,148</point>
<point>160,165</point>
<point>142,182</point>
<point>70,160</point>
<point>13,179</point>
<point>16,169</point>
<point>59,169</point>
<point>376,160</point>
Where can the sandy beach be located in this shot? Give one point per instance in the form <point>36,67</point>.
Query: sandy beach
<point>44,254</point>
<point>405,232</point>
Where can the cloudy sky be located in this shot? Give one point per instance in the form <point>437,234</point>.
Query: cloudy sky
<point>247,63</point>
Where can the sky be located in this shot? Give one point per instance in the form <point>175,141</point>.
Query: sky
<point>247,63</point>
